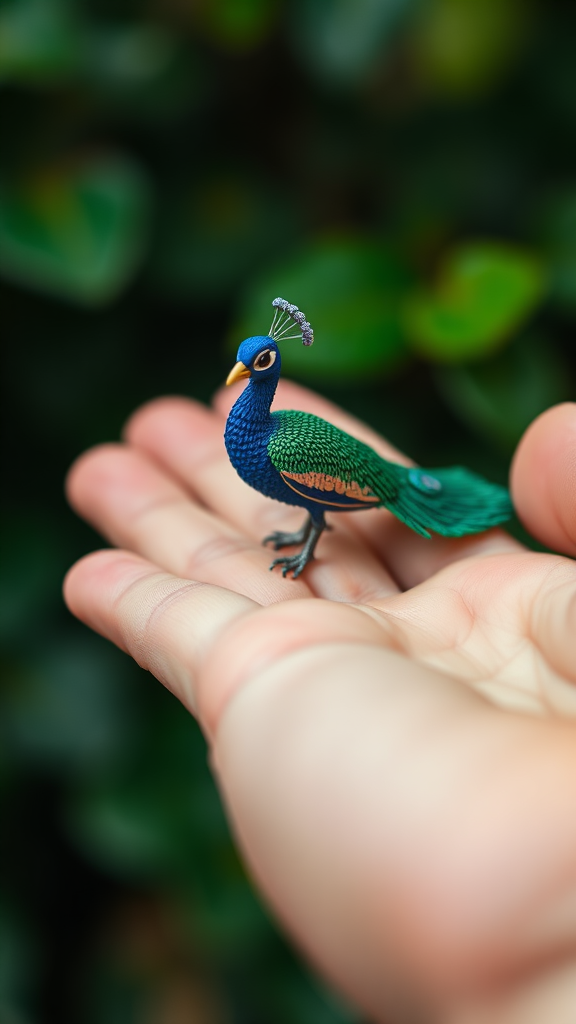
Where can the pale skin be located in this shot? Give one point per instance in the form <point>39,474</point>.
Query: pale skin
<point>393,734</point>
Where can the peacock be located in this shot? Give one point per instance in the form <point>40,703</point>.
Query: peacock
<point>303,460</point>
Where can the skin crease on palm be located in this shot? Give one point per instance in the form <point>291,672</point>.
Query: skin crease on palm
<point>393,734</point>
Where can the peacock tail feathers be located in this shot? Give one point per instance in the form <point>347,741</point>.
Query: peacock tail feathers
<point>452,502</point>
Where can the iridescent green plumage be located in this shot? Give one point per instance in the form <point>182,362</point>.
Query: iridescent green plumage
<point>452,501</point>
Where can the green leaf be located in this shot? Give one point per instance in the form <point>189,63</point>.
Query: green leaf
<point>499,398</point>
<point>485,292</point>
<point>39,41</point>
<point>76,229</point>
<point>349,289</point>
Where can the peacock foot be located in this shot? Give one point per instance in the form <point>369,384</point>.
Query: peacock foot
<point>293,563</point>
<point>280,539</point>
<point>309,534</point>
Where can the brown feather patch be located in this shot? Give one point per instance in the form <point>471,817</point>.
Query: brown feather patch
<point>325,483</point>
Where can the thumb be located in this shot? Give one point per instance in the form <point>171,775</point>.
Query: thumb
<point>543,478</point>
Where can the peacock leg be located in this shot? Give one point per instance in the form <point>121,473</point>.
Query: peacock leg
<point>279,539</point>
<point>314,528</point>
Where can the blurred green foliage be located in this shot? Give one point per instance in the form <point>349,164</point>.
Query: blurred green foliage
<point>76,230</point>
<point>484,293</point>
<point>404,172</point>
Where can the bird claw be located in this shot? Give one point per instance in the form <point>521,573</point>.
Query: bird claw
<point>307,535</point>
<point>292,563</point>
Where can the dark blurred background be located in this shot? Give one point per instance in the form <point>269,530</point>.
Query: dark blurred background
<point>403,170</point>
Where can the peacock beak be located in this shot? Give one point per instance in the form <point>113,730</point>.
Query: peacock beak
<point>237,372</point>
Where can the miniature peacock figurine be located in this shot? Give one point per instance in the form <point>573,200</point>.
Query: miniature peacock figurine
<point>303,460</point>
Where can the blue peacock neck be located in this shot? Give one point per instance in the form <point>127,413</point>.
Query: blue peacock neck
<point>252,408</point>
<point>248,431</point>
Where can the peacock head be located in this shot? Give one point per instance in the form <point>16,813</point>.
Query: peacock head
<point>259,357</point>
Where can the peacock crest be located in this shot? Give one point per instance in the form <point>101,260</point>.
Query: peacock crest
<point>286,314</point>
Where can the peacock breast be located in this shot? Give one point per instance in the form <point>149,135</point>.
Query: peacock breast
<point>247,447</point>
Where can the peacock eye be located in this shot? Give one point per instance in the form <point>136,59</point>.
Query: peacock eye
<point>265,359</point>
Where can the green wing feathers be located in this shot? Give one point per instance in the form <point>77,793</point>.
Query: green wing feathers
<point>307,446</point>
<point>452,502</point>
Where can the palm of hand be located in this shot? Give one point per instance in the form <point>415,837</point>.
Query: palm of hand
<point>206,616</point>
<point>498,623</point>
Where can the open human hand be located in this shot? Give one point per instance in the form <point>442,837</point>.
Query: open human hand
<point>393,733</point>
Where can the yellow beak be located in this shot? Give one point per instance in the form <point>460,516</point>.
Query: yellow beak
<point>237,373</point>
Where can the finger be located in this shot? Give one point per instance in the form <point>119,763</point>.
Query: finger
<point>543,478</point>
<point>166,624</point>
<point>414,559</point>
<point>185,438</point>
<point>135,505</point>
<point>171,625</point>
